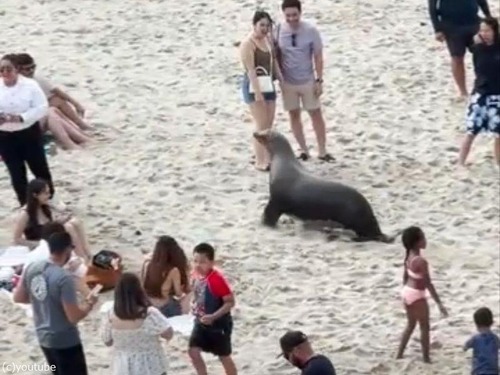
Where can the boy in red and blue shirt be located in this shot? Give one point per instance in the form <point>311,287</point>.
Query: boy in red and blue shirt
<point>212,304</point>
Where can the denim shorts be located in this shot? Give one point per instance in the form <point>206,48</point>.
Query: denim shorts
<point>250,98</point>
<point>483,114</point>
<point>171,308</point>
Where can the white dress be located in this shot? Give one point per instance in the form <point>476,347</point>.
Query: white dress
<point>138,351</point>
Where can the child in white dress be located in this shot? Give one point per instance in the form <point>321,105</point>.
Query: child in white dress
<point>134,328</point>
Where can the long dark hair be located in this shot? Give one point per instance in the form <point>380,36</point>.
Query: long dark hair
<point>35,187</point>
<point>166,256</point>
<point>493,24</point>
<point>411,237</point>
<point>131,301</point>
<point>260,14</point>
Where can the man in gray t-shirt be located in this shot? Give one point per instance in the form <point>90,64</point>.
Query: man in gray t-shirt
<point>51,291</point>
<point>300,54</point>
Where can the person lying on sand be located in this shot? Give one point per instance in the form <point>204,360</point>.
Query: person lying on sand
<point>37,212</point>
<point>58,98</point>
<point>416,280</point>
<point>165,278</point>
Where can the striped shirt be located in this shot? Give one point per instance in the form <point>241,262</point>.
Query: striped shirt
<point>25,99</point>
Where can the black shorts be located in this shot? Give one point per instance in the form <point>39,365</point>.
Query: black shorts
<point>460,39</point>
<point>211,339</point>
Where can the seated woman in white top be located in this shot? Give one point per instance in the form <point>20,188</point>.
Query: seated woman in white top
<point>66,133</point>
<point>134,328</point>
<point>22,105</point>
<point>38,212</point>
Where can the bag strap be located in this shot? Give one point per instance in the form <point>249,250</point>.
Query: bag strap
<point>271,52</point>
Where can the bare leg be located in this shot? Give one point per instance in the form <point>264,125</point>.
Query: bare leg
<point>319,127</point>
<point>423,321</point>
<point>496,149</point>
<point>298,129</point>
<point>56,124</point>
<point>410,327</point>
<point>259,114</point>
<point>75,229</point>
<point>229,366</point>
<point>81,286</point>
<point>465,148</point>
<point>72,129</point>
<point>197,361</point>
<point>68,111</point>
<point>458,70</point>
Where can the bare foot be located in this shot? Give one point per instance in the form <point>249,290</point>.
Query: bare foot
<point>263,168</point>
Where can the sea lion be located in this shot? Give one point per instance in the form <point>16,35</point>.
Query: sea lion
<point>296,192</point>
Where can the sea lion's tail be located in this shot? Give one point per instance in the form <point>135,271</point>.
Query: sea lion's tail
<point>389,239</point>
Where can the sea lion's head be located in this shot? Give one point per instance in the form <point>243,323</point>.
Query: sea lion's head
<point>275,142</point>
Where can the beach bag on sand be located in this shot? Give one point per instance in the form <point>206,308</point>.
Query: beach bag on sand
<point>106,269</point>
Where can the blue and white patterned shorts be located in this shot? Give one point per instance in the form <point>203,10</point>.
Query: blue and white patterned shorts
<point>483,114</point>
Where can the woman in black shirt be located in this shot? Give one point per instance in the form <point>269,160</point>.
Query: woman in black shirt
<point>484,107</point>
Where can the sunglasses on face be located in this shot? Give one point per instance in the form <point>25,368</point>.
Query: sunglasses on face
<point>7,68</point>
<point>294,40</point>
<point>27,68</point>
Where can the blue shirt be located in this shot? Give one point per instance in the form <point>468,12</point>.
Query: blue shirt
<point>318,365</point>
<point>485,347</point>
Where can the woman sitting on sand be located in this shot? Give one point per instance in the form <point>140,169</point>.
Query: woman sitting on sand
<point>484,107</point>
<point>65,131</point>
<point>259,60</point>
<point>134,327</point>
<point>37,212</point>
<point>165,277</point>
<point>416,280</point>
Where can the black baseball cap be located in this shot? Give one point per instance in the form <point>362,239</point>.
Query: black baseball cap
<point>290,341</point>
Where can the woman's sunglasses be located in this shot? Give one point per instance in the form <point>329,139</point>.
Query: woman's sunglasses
<point>294,40</point>
<point>7,69</point>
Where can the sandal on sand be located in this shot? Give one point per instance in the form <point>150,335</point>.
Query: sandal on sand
<point>327,157</point>
<point>303,156</point>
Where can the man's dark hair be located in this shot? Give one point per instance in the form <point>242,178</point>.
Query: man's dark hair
<point>291,4</point>
<point>24,59</point>
<point>50,228</point>
<point>205,249</point>
<point>483,317</point>
<point>59,243</point>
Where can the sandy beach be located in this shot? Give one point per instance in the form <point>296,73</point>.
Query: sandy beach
<point>160,81</point>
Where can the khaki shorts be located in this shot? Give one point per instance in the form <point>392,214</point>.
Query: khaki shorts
<point>293,95</point>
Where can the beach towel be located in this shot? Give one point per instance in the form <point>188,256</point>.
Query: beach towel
<point>14,256</point>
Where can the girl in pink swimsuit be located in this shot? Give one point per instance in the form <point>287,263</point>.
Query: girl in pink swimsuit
<point>417,280</point>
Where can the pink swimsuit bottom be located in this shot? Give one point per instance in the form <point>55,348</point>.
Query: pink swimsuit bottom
<point>410,295</point>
